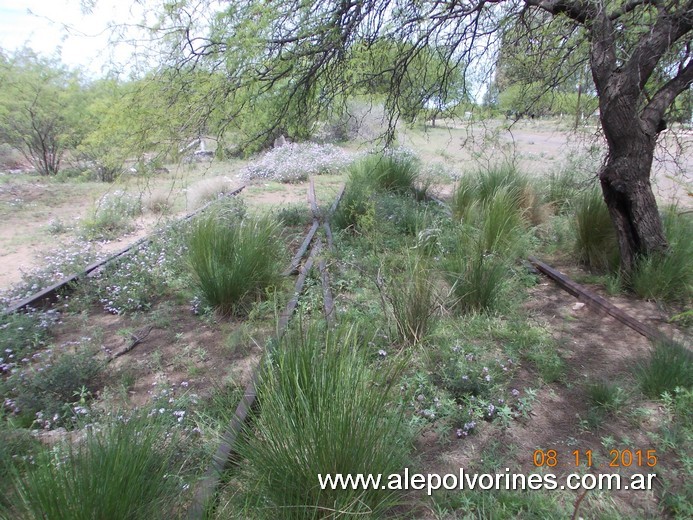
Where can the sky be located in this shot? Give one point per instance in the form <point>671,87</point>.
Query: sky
<point>61,27</point>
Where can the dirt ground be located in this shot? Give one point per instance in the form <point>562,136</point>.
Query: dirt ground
<point>595,347</point>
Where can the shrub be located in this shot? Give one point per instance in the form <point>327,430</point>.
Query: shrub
<point>323,411</point>
<point>123,471</point>
<point>234,261</point>
<point>668,277</point>
<point>112,216</point>
<point>596,244</point>
<point>670,366</point>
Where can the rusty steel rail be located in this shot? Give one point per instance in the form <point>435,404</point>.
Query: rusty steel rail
<point>597,302</point>
<point>223,456</point>
<point>50,294</point>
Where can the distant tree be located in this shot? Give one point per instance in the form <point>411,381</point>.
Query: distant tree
<point>40,109</point>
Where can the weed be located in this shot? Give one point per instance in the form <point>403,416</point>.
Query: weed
<point>122,471</point>
<point>668,277</point>
<point>596,244</point>
<point>293,215</point>
<point>670,366</point>
<point>21,334</point>
<point>323,412</point>
<point>234,262</point>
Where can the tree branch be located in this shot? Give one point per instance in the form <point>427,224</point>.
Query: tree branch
<point>654,111</point>
<point>578,10</point>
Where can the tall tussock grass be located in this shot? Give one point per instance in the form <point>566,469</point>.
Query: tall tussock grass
<point>478,276</point>
<point>123,471</point>
<point>669,276</point>
<point>323,410</point>
<point>484,185</point>
<point>412,296</point>
<point>596,244</point>
<point>389,172</point>
<point>234,260</point>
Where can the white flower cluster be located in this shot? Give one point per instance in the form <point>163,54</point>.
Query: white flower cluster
<point>295,162</point>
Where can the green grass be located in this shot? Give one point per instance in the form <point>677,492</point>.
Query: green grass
<point>412,298</point>
<point>668,277</point>
<point>234,261</point>
<point>323,411</point>
<point>122,471</point>
<point>390,171</point>
<point>605,396</point>
<point>596,245</point>
<point>482,186</point>
<point>670,366</point>
<point>478,280</point>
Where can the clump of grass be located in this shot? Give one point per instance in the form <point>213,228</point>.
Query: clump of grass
<point>482,186</point>
<point>112,216</point>
<point>670,366</point>
<point>123,471</point>
<point>668,277</point>
<point>208,190</point>
<point>160,203</point>
<point>478,278</point>
<point>356,202</point>
<point>561,189</point>
<point>596,244</point>
<point>605,396</point>
<point>412,297</point>
<point>500,221</point>
<point>324,411</point>
<point>234,262</point>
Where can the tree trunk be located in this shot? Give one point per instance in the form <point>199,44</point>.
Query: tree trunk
<point>625,176</point>
<point>628,195</point>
